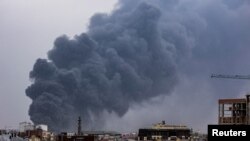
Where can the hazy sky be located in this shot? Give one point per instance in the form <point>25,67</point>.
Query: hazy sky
<point>206,36</point>
<point>28,29</point>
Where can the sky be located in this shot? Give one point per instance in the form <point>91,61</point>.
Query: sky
<point>28,29</point>
<point>201,38</point>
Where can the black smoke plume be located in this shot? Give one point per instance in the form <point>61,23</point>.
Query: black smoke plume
<point>120,61</point>
<point>143,50</point>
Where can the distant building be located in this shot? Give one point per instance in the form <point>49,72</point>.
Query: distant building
<point>24,126</point>
<point>34,138</point>
<point>37,135</point>
<point>129,136</point>
<point>90,136</point>
<point>10,137</point>
<point>104,135</point>
<point>234,111</point>
<point>3,132</point>
<point>42,126</point>
<point>162,131</point>
<point>74,137</point>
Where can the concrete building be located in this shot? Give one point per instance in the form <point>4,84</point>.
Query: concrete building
<point>89,136</point>
<point>37,135</point>
<point>8,137</point>
<point>162,131</point>
<point>74,137</point>
<point>42,126</point>
<point>24,126</point>
<point>104,135</point>
<point>2,131</point>
<point>234,111</point>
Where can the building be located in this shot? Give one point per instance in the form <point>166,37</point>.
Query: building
<point>9,137</point>
<point>42,126</point>
<point>234,111</point>
<point>24,126</point>
<point>89,136</point>
<point>3,132</point>
<point>37,135</point>
<point>74,137</point>
<point>104,135</point>
<point>129,136</point>
<point>162,131</point>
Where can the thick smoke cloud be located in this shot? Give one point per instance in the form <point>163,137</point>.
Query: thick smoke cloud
<point>206,36</point>
<point>120,61</point>
<point>141,51</point>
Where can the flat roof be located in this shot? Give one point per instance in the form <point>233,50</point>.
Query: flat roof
<point>166,129</point>
<point>101,132</point>
<point>230,101</point>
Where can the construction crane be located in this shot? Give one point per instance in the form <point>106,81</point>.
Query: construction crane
<point>230,76</point>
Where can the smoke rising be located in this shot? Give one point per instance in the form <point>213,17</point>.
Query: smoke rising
<point>143,50</point>
<point>119,61</point>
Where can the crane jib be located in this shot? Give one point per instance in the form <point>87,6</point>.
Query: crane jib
<point>230,76</point>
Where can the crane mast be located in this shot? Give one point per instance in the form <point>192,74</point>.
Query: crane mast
<point>230,76</point>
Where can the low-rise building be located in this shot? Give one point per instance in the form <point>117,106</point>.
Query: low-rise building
<point>2,131</point>
<point>74,137</point>
<point>24,126</point>
<point>90,136</point>
<point>37,135</point>
<point>42,126</point>
<point>162,131</point>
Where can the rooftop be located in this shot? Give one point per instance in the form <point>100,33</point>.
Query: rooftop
<point>163,125</point>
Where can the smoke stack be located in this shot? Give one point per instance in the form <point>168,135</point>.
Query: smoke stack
<point>79,126</point>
